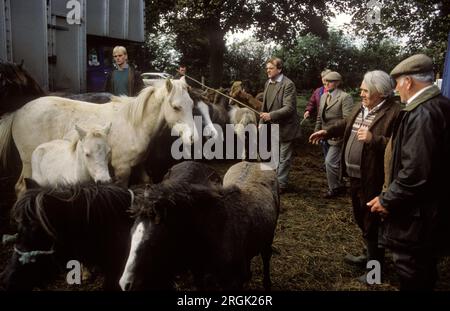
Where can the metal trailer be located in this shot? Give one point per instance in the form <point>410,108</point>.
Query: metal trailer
<point>51,37</point>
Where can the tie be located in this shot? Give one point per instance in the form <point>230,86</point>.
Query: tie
<point>327,102</point>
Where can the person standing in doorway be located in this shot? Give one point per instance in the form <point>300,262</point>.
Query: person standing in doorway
<point>124,79</point>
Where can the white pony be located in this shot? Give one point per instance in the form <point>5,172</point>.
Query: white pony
<point>135,121</point>
<point>63,162</point>
<point>244,120</point>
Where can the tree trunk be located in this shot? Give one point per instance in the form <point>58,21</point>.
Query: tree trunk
<point>216,52</point>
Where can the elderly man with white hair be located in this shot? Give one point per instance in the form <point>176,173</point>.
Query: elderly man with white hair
<point>365,135</point>
<point>415,198</point>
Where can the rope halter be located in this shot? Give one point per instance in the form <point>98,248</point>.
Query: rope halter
<point>29,257</point>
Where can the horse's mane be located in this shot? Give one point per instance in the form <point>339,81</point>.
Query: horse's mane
<point>136,105</point>
<point>184,195</point>
<point>96,201</point>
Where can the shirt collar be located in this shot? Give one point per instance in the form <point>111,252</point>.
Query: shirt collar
<point>374,109</point>
<point>409,101</point>
<point>278,79</point>
<point>332,93</point>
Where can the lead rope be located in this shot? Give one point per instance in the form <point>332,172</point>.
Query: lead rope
<point>229,97</point>
<point>28,257</point>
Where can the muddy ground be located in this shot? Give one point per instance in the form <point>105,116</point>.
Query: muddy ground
<point>312,237</point>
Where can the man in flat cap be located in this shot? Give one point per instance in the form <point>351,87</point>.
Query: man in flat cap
<point>415,199</point>
<point>335,105</point>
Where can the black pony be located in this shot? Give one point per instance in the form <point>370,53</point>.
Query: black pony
<point>88,223</point>
<point>210,230</point>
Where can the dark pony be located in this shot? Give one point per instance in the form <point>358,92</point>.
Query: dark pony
<point>210,230</point>
<point>88,223</point>
<point>17,87</point>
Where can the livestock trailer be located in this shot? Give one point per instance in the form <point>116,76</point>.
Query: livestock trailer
<point>66,45</point>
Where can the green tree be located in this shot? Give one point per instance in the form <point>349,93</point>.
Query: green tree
<point>245,60</point>
<point>309,55</point>
<point>210,20</point>
<point>424,23</point>
<point>164,55</point>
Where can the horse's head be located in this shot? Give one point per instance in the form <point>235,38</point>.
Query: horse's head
<point>147,266</point>
<point>95,152</point>
<point>177,109</point>
<point>32,263</point>
<point>236,87</point>
<point>166,219</point>
<point>17,87</point>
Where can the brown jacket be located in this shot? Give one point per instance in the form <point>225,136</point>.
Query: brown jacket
<point>135,83</point>
<point>372,157</point>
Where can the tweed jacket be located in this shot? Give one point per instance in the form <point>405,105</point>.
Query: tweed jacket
<point>283,109</point>
<point>339,108</point>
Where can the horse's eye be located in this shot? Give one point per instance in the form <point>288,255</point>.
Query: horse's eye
<point>87,154</point>
<point>177,108</point>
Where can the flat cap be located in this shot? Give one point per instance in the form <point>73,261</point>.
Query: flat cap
<point>333,76</point>
<point>418,63</point>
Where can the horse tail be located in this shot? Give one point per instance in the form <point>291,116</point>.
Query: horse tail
<point>5,137</point>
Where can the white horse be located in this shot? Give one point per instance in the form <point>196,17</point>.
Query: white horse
<point>64,162</point>
<point>135,121</point>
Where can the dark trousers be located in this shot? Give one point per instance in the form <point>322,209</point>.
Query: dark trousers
<point>417,270</point>
<point>368,222</point>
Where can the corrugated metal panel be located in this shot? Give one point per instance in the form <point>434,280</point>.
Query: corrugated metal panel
<point>136,21</point>
<point>5,31</point>
<point>29,37</point>
<point>54,48</point>
<point>69,67</point>
<point>59,7</point>
<point>98,17</point>
<point>118,17</point>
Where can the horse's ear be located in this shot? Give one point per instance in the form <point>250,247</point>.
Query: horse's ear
<point>31,183</point>
<point>107,129</point>
<point>169,85</point>
<point>81,132</point>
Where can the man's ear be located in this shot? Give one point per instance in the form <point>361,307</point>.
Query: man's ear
<point>31,183</point>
